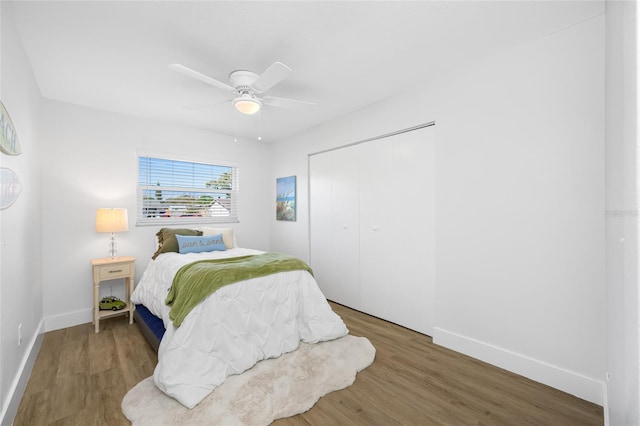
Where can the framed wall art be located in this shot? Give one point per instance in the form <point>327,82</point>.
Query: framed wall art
<point>9,143</point>
<point>286,199</point>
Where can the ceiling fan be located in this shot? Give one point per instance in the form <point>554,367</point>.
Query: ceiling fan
<point>248,87</point>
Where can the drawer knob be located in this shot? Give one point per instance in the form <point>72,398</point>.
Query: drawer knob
<point>113,272</point>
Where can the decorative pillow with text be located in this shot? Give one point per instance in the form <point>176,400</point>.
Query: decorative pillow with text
<point>199,244</point>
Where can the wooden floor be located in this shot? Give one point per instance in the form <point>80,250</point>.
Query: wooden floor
<point>81,377</point>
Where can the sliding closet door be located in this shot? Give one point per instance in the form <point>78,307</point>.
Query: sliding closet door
<point>334,240</point>
<point>372,227</point>
<point>378,200</point>
<point>397,228</point>
<point>414,160</point>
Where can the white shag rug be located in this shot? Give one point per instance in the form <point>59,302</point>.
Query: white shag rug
<point>272,389</point>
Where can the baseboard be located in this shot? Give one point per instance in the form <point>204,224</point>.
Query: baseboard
<point>69,319</point>
<point>567,381</point>
<point>605,405</point>
<point>19,384</point>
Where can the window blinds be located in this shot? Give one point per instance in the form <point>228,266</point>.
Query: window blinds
<point>179,192</point>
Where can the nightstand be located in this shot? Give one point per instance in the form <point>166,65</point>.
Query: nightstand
<point>111,268</point>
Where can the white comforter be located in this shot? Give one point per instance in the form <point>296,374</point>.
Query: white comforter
<point>237,326</point>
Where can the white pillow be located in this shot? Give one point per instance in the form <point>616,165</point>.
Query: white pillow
<point>228,236</point>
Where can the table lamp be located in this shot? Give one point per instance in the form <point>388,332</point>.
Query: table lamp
<point>112,220</point>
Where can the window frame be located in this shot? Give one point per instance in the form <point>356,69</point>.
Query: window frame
<point>233,193</point>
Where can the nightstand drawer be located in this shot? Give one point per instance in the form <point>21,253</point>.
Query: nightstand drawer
<point>108,272</point>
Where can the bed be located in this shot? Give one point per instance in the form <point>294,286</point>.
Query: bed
<point>227,331</point>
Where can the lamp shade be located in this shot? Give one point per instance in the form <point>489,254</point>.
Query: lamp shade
<point>112,220</point>
<point>247,104</point>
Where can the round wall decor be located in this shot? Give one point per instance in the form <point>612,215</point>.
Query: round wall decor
<point>10,187</point>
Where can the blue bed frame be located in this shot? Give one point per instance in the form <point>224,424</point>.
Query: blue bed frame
<point>151,326</point>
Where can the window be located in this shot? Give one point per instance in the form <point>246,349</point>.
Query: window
<point>181,192</point>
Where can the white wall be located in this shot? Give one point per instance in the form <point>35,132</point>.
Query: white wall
<point>91,163</point>
<point>623,327</point>
<point>519,203</point>
<point>20,232</point>
<point>521,207</point>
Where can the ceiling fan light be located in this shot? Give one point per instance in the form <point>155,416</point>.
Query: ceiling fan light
<point>247,105</point>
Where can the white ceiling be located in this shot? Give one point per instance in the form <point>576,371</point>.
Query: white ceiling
<point>114,55</point>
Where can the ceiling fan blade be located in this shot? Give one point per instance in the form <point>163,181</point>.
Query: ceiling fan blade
<point>272,76</point>
<point>198,76</point>
<point>286,103</point>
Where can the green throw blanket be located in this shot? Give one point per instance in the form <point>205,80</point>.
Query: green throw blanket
<point>196,281</point>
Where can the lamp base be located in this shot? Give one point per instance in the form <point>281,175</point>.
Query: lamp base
<point>113,252</point>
